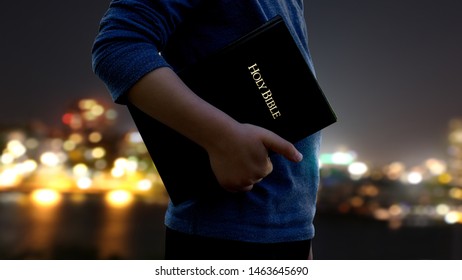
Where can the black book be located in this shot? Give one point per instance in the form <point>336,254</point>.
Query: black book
<point>261,79</point>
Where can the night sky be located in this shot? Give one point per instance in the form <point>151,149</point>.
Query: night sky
<point>391,69</point>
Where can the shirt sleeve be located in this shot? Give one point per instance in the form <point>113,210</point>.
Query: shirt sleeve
<point>131,36</point>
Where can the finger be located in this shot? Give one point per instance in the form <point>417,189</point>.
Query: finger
<point>263,171</point>
<point>281,146</point>
<point>246,189</point>
<point>269,167</point>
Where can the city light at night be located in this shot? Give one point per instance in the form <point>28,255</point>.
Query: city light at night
<point>85,160</point>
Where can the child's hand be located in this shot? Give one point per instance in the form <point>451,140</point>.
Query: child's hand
<point>241,160</point>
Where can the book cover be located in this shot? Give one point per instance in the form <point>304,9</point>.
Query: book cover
<point>261,79</point>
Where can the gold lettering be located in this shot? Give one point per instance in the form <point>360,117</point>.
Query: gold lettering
<point>262,86</point>
<point>253,67</point>
<point>271,104</point>
<point>267,95</point>
<point>256,75</point>
<point>276,114</point>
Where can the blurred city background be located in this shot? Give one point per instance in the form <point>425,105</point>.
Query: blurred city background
<point>76,181</point>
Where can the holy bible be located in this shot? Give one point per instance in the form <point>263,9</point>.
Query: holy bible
<point>262,79</point>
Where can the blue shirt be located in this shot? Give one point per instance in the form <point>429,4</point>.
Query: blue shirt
<point>138,36</point>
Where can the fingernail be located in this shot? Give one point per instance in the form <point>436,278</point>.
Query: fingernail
<point>298,156</point>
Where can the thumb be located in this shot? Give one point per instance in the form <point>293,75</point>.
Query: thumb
<point>279,145</point>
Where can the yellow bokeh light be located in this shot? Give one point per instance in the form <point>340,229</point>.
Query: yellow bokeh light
<point>127,165</point>
<point>27,166</point>
<point>456,136</point>
<point>7,158</point>
<point>395,210</point>
<point>45,197</point>
<point>95,137</point>
<point>395,170</point>
<point>87,104</point>
<point>49,159</point>
<point>89,116</point>
<point>84,183</point>
<point>69,145</point>
<point>144,185</point>
<point>442,209</point>
<point>119,198</point>
<point>117,172</point>
<point>9,178</point>
<point>120,163</point>
<point>435,166</point>
<point>453,217</point>
<point>16,148</point>
<point>381,214</point>
<point>98,152</point>
<point>455,193</point>
<point>97,110</point>
<point>80,170</point>
<point>445,178</point>
<point>132,165</point>
<point>58,181</point>
<point>76,138</point>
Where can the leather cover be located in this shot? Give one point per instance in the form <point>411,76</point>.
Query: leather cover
<point>261,79</point>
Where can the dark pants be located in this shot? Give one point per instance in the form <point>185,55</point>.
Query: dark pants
<point>181,246</point>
